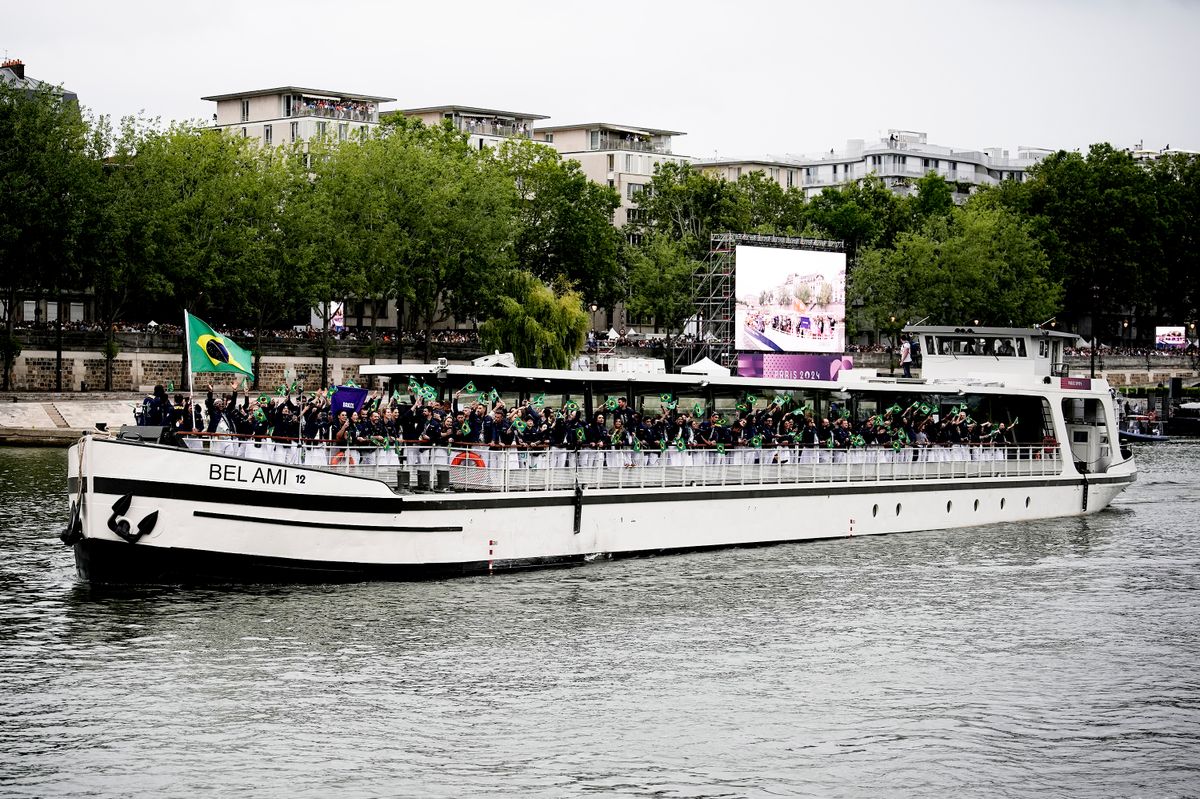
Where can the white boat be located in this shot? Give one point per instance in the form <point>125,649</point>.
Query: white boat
<point>218,510</point>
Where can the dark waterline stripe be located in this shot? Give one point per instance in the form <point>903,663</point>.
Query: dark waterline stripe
<point>327,525</point>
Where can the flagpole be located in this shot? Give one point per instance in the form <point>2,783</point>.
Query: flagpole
<point>187,343</point>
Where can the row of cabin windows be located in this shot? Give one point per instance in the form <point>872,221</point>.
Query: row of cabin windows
<point>996,346</point>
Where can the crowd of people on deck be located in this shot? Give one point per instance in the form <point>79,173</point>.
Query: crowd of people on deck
<point>418,428</point>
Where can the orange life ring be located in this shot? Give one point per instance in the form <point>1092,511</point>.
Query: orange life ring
<point>468,459</point>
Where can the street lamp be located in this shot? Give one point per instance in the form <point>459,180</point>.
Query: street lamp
<point>892,346</point>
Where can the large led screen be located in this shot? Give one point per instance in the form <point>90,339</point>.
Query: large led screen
<point>1170,338</point>
<point>789,300</point>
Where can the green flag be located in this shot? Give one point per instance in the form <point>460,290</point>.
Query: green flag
<point>539,400</point>
<point>469,388</point>
<point>208,351</point>
<point>611,403</point>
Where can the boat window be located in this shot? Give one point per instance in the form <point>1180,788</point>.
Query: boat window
<point>1021,353</point>
<point>1005,348</point>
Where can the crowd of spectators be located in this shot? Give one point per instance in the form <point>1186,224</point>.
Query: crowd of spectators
<point>1132,352</point>
<point>285,334</point>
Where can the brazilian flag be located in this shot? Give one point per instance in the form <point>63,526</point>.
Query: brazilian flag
<point>208,351</point>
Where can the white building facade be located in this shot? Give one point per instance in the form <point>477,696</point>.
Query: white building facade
<point>484,127</point>
<point>899,159</point>
<point>622,157</point>
<point>290,114</point>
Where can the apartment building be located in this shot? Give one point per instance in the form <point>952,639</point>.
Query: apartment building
<point>900,158</point>
<point>485,127</point>
<point>288,114</point>
<point>620,156</point>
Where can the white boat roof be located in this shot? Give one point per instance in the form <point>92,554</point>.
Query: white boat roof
<point>857,379</point>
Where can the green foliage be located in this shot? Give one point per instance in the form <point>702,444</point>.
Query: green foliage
<point>1096,217</point>
<point>863,214</point>
<point>542,330</point>
<point>564,233</point>
<point>975,263</point>
<point>189,216</point>
<point>660,281</point>
<point>688,206</point>
<point>766,208</point>
<point>934,197</point>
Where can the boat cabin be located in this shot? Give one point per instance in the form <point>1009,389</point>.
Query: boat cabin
<point>948,352</point>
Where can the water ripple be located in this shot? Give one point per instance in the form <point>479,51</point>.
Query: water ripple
<point>1055,658</point>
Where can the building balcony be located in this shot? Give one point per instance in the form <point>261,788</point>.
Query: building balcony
<point>626,142</point>
<point>513,130</point>
<point>353,112</point>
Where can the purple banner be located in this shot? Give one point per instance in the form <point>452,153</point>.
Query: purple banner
<point>788,366</point>
<point>348,399</point>
<point>1076,383</point>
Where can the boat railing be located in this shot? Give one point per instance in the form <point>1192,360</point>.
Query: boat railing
<point>503,469</point>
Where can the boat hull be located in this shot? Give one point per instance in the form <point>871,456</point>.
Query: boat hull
<point>221,519</point>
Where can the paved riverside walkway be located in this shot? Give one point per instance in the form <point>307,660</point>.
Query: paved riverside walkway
<point>39,419</point>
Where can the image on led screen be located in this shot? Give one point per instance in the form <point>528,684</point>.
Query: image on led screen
<point>789,300</point>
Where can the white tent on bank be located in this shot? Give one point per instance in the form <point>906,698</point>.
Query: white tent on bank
<point>706,366</point>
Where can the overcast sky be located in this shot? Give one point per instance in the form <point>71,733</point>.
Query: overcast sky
<point>743,79</point>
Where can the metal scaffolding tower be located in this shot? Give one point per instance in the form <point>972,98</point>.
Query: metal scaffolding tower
<point>714,300</point>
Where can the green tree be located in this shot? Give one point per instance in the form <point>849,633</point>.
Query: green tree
<point>660,281</point>
<point>1096,217</point>
<point>768,208</point>
<point>202,216</point>
<point>976,263</point>
<point>564,233</point>
<point>263,280</point>
<point>115,239</point>
<point>934,197</point>
<point>461,245</point>
<point>861,214</point>
<point>45,172</point>
<point>542,329</point>
<point>1176,294</point>
<point>688,206</point>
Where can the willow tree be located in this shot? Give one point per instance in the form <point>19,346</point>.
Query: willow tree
<point>542,329</point>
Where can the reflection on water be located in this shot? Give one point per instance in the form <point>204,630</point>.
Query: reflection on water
<point>1051,658</point>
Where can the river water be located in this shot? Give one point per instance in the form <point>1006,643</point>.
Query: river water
<point>1051,659</point>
